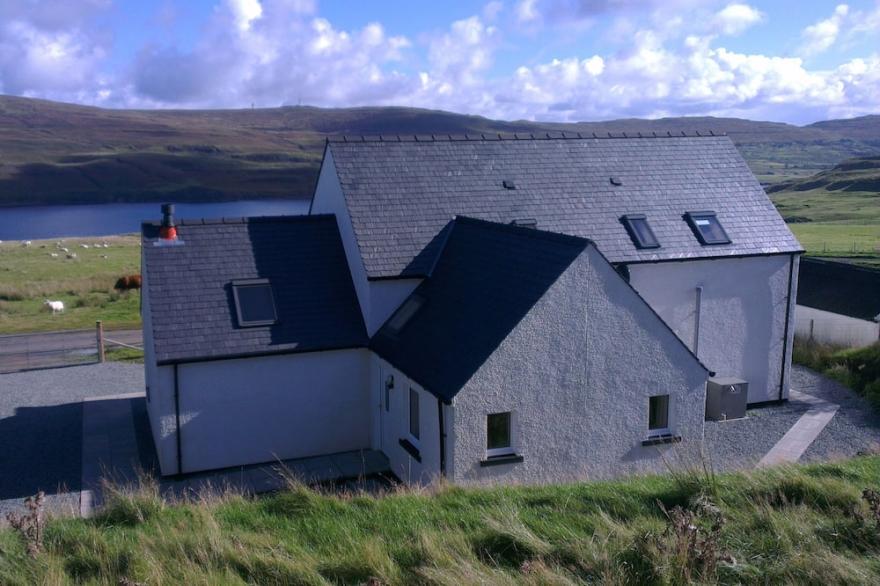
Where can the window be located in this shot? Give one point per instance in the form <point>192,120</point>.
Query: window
<point>640,231</point>
<point>498,435</point>
<point>254,302</point>
<point>525,222</point>
<point>707,228</point>
<point>414,413</point>
<point>400,318</point>
<point>658,415</point>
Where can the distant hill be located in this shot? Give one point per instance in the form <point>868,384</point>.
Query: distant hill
<point>855,175</point>
<point>61,153</point>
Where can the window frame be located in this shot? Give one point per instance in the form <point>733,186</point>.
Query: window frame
<point>628,221</point>
<point>660,431</point>
<point>242,323</point>
<point>414,437</point>
<point>508,450</point>
<point>693,217</point>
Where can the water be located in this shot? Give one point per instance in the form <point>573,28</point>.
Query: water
<point>36,222</point>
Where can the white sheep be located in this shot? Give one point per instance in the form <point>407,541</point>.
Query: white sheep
<point>71,255</point>
<point>84,245</point>
<point>53,254</point>
<point>26,243</point>
<point>65,250</point>
<point>55,306</point>
<point>104,256</point>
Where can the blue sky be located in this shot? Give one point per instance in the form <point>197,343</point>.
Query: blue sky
<point>560,60</point>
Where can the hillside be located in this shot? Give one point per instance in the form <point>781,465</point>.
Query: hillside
<point>793,525</point>
<point>860,174</point>
<point>61,153</point>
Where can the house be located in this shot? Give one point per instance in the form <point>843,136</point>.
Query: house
<point>489,310</point>
<point>838,303</point>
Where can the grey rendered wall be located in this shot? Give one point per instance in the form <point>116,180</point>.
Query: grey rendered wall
<point>832,328</point>
<point>742,319</point>
<point>236,412</point>
<point>160,393</point>
<point>329,199</point>
<point>393,425</point>
<point>577,372</point>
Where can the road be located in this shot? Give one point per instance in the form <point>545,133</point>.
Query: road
<point>39,350</point>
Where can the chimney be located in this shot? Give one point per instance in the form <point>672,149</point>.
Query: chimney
<point>168,231</point>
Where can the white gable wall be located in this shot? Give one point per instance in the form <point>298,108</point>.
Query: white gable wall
<point>577,373</point>
<point>742,329</point>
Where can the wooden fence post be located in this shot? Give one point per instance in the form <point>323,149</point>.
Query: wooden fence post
<point>99,334</point>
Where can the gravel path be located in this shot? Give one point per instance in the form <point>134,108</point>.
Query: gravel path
<point>743,442</point>
<point>41,428</point>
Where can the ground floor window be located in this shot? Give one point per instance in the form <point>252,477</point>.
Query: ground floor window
<point>499,437</point>
<point>658,414</point>
<point>414,413</point>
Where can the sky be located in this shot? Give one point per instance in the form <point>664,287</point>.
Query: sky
<point>549,60</point>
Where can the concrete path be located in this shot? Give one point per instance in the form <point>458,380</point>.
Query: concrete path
<point>803,433</point>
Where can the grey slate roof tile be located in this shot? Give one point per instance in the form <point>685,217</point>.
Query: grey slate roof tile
<point>192,309</point>
<point>400,194</point>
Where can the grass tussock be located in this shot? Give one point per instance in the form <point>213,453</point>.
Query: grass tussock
<point>807,524</point>
<point>857,368</point>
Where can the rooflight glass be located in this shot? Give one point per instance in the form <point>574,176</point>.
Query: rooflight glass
<point>640,231</point>
<point>402,316</point>
<point>707,228</point>
<point>254,302</point>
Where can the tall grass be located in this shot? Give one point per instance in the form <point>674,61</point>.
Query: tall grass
<point>857,368</point>
<point>806,524</point>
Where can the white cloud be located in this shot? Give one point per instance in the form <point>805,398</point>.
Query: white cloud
<point>735,18</point>
<point>819,37</point>
<point>245,12</point>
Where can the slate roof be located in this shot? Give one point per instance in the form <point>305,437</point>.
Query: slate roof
<point>839,288</point>
<point>487,278</point>
<point>400,193</point>
<point>192,308</point>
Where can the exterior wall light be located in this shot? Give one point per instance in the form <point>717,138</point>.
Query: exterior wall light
<point>389,382</point>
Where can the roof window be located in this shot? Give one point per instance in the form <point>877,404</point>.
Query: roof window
<point>640,231</point>
<point>404,313</point>
<point>707,228</point>
<point>525,222</point>
<point>254,302</point>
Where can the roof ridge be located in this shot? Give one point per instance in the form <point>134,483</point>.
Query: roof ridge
<point>525,231</point>
<point>245,220</point>
<point>515,136</point>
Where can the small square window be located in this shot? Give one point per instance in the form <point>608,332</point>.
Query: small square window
<point>498,434</point>
<point>707,228</point>
<point>658,414</point>
<point>640,231</point>
<point>414,413</point>
<point>402,316</point>
<point>254,302</point>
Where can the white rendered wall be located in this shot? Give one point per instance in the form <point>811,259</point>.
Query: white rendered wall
<point>329,199</point>
<point>252,410</point>
<point>832,328</point>
<point>393,425</point>
<point>385,297</point>
<point>577,373</point>
<point>742,317</point>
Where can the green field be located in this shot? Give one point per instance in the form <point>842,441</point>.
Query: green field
<point>28,276</point>
<point>796,525</point>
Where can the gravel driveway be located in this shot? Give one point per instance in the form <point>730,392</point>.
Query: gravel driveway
<point>741,443</point>
<point>41,428</point>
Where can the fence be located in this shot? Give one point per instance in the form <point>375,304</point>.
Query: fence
<point>51,349</point>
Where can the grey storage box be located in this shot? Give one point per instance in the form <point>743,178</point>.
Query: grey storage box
<point>726,398</point>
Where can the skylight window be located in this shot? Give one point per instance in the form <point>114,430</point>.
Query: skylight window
<point>707,228</point>
<point>640,231</point>
<point>402,316</point>
<point>525,222</point>
<point>254,302</point>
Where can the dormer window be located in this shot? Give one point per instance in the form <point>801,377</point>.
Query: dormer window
<point>707,228</point>
<point>640,231</point>
<point>254,302</point>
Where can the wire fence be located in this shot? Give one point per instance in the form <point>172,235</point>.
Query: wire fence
<point>20,352</point>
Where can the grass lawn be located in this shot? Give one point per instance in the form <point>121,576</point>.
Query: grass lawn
<point>806,524</point>
<point>29,275</point>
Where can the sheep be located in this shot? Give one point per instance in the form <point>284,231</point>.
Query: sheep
<point>26,243</point>
<point>55,306</point>
<point>53,254</point>
<point>65,250</point>
<point>84,245</point>
<point>71,255</point>
<point>104,256</point>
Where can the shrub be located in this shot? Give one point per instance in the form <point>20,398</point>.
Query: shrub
<point>127,282</point>
<point>30,525</point>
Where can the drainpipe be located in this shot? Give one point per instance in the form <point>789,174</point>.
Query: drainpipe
<point>442,439</point>
<point>177,420</point>
<point>697,311</point>
<point>785,332</point>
